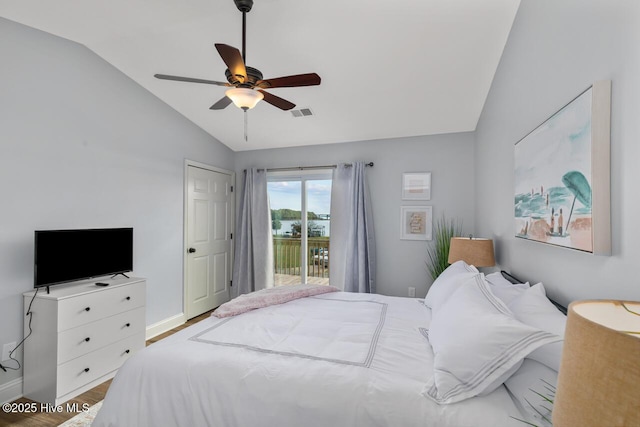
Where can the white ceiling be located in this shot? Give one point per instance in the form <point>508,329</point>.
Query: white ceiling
<point>389,68</point>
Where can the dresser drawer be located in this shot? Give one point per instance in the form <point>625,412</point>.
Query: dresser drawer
<point>84,369</point>
<point>87,308</point>
<point>84,339</point>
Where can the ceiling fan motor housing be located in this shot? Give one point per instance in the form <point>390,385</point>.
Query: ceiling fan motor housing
<point>253,76</point>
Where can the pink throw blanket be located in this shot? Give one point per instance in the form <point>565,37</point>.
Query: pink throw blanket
<point>267,297</point>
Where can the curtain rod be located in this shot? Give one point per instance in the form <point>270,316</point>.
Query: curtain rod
<point>301,168</point>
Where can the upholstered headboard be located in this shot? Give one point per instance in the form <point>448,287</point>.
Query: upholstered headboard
<point>514,280</point>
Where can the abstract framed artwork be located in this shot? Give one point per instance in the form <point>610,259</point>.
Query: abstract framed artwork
<point>562,176</point>
<point>416,222</point>
<point>416,186</point>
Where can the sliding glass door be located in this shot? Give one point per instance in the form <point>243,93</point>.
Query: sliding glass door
<point>300,219</point>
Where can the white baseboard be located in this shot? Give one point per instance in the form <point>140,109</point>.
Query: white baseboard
<point>11,391</point>
<point>165,325</point>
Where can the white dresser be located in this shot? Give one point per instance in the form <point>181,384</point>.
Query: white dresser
<point>82,334</point>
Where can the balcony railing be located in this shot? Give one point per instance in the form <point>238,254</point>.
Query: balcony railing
<point>287,259</point>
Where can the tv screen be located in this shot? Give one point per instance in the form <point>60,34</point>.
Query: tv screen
<point>67,255</point>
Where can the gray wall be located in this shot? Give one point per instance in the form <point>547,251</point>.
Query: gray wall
<point>82,145</point>
<point>557,49</point>
<point>449,158</point>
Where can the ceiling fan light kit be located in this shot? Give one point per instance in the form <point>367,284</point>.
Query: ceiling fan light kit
<point>244,98</point>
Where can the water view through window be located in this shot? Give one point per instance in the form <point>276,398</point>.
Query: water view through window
<point>300,203</point>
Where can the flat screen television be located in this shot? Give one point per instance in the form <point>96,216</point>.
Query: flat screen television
<point>63,256</point>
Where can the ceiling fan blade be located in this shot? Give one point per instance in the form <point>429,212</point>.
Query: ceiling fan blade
<point>232,57</point>
<point>276,101</point>
<point>221,104</point>
<point>309,79</point>
<point>189,80</point>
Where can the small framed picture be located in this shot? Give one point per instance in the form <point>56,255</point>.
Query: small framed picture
<point>416,186</point>
<point>416,222</point>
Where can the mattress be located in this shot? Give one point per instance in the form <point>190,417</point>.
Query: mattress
<point>338,359</point>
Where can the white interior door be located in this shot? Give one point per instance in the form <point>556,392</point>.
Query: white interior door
<point>208,242</point>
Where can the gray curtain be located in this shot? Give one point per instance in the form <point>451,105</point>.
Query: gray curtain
<point>253,257</point>
<point>352,241</point>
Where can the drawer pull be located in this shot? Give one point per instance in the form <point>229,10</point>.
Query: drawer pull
<point>87,309</point>
<point>87,339</point>
<point>127,351</point>
<point>128,298</point>
<point>127,325</point>
<point>86,369</point>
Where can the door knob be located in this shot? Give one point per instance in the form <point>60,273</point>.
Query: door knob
<point>192,250</point>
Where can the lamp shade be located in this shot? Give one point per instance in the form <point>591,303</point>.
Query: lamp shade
<point>599,378</point>
<point>473,251</point>
<point>244,98</point>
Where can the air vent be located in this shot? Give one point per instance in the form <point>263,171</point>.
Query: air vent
<point>303,112</point>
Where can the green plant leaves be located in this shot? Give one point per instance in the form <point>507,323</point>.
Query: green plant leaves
<point>438,252</point>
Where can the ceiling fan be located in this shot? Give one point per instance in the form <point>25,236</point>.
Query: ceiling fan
<point>247,83</point>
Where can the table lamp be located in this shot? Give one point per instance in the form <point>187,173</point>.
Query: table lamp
<point>599,378</point>
<point>473,251</point>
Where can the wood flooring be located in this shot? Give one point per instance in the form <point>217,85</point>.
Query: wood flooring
<point>91,397</point>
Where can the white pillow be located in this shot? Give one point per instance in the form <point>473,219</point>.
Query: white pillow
<point>504,289</point>
<point>497,279</point>
<point>447,283</point>
<point>534,308</point>
<point>526,382</point>
<point>476,342</point>
<point>508,294</point>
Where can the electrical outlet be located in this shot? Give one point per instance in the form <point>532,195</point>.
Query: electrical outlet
<point>412,292</point>
<point>6,349</point>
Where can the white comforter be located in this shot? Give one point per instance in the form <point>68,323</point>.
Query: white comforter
<point>334,360</point>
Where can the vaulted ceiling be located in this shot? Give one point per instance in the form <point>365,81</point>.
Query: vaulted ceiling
<point>389,68</point>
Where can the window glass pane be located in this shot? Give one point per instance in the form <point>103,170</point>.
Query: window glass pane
<point>318,199</point>
<point>299,254</point>
<point>285,198</point>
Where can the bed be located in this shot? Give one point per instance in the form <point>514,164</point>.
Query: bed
<point>330,359</point>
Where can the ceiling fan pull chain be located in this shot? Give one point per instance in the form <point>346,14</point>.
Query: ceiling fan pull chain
<point>246,126</point>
